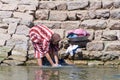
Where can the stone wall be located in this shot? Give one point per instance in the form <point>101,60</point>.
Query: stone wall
<point>101,18</point>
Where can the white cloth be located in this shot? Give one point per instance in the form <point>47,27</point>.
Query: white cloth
<point>71,48</point>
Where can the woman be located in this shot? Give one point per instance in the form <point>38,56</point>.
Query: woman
<point>41,37</point>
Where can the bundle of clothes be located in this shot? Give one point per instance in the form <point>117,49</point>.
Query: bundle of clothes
<point>75,34</point>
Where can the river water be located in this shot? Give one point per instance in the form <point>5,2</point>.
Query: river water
<point>61,73</point>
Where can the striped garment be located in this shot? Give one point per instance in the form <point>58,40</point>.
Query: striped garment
<point>40,36</point>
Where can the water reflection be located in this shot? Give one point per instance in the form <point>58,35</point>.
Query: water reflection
<point>47,74</point>
<point>64,73</point>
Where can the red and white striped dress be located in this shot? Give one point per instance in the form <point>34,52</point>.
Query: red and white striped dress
<point>40,35</point>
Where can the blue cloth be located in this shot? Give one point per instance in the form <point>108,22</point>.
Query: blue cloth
<point>72,35</point>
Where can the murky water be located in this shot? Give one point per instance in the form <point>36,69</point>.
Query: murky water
<point>63,73</point>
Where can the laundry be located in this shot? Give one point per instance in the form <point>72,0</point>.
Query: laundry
<point>72,49</point>
<point>74,36</point>
<point>77,33</point>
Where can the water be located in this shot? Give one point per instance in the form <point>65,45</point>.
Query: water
<point>63,73</point>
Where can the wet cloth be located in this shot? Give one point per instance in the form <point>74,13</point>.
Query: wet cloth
<point>72,49</point>
<point>40,36</point>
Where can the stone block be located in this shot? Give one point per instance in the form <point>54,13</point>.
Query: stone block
<point>92,55</point>
<point>116,3</point>
<point>42,14</point>
<point>95,46</point>
<point>20,38</point>
<point>10,1</point>
<point>6,14</point>
<point>29,2</point>
<point>118,34</point>
<point>61,5</point>
<point>1,59</point>
<point>80,62</point>
<point>91,32</point>
<point>19,53</point>
<point>8,7</point>
<point>112,63</point>
<point>21,43</point>
<point>22,30</point>
<point>95,4</point>
<point>94,24</point>
<point>26,18</point>
<point>4,36</point>
<point>76,5</point>
<point>30,54</point>
<point>12,28</point>
<point>113,46</point>
<point>114,24</point>
<point>23,8</point>
<point>47,5</point>
<point>82,15</point>
<point>2,42</point>
<point>17,57</point>
<point>11,20</point>
<point>91,14</point>
<point>69,25</point>
<point>98,34</point>
<point>109,35</point>
<point>18,42</point>
<point>3,31</point>
<point>13,62</point>
<point>4,25</point>
<point>72,15</point>
<point>104,14</point>
<point>58,15</point>
<point>4,50</point>
<point>49,24</point>
<point>110,55</point>
<point>61,32</point>
<point>32,62</point>
<point>95,63</point>
<point>115,14</point>
<point>107,4</point>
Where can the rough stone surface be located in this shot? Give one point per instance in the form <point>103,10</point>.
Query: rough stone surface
<point>58,16</point>
<point>95,46</point>
<point>41,14</point>
<point>94,24</point>
<point>77,4</point>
